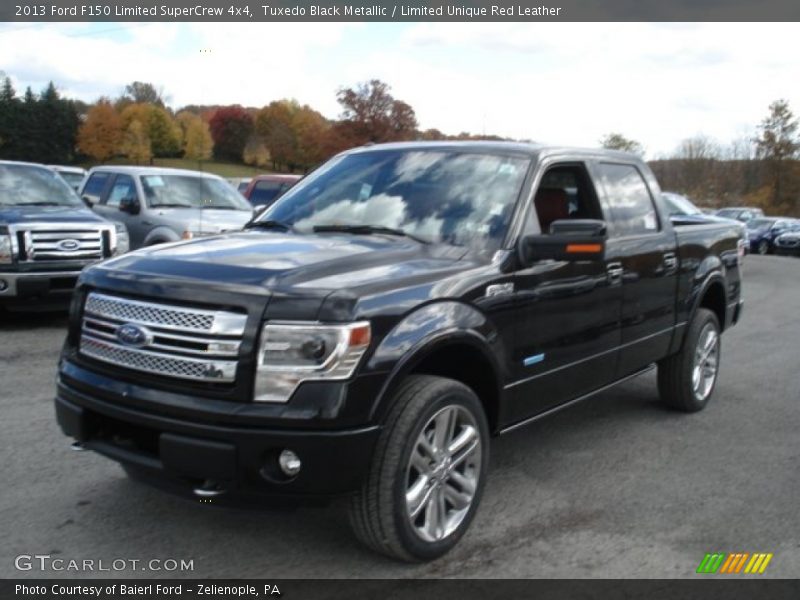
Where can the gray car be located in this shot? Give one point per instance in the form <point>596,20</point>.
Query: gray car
<point>165,205</point>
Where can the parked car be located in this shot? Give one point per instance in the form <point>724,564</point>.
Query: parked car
<point>165,205</point>
<point>240,183</point>
<point>47,236</point>
<point>368,333</point>
<point>788,243</point>
<point>263,190</point>
<point>740,213</point>
<point>763,231</point>
<point>74,176</point>
<point>683,211</point>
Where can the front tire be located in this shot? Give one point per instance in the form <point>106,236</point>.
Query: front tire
<point>686,380</point>
<point>428,471</point>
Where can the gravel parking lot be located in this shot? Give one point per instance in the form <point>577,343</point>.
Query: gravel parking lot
<point>615,487</point>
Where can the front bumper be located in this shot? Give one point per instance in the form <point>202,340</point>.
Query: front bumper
<point>31,284</point>
<point>182,454</point>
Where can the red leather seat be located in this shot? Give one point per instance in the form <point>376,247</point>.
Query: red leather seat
<point>551,205</point>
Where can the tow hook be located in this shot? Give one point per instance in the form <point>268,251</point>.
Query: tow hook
<point>209,489</point>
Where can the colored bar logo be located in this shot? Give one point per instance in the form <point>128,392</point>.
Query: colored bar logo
<point>737,562</point>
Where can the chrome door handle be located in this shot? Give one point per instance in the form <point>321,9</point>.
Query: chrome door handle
<point>670,261</point>
<point>614,271</point>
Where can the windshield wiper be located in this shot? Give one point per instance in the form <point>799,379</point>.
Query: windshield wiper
<point>270,224</point>
<point>171,205</point>
<point>211,207</point>
<point>42,203</point>
<point>367,230</point>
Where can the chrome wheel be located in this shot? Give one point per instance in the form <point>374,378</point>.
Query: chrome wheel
<point>443,473</point>
<point>706,360</point>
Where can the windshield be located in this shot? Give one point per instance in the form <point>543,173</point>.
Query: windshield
<point>24,185</point>
<point>680,205</point>
<point>458,198</point>
<point>759,223</point>
<point>186,191</point>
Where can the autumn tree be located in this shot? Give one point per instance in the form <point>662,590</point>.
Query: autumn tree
<point>100,135</point>
<point>197,142</point>
<point>374,115</point>
<point>255,152</point>
<point>617,141</point>
<point>159,126</point>
<point>776,143</point>
<point>274,125</point>
<point>231,128</point>
<point>136,145</point>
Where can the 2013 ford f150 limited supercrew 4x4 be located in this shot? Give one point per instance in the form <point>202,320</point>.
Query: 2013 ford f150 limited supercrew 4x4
<point>371,330</point>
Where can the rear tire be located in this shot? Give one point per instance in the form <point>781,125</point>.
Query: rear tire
<point>427,473</point>
<point>686,380</point>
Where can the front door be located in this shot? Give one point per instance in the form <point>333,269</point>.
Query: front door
<point>567,335</point>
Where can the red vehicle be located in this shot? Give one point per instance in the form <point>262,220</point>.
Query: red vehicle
<point>265,189</point>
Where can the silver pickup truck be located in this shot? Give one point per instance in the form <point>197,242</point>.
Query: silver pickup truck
<point>160,205</point>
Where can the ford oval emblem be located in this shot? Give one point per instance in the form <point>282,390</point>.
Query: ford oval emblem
<point>69,245</point>
<point>134,335</point>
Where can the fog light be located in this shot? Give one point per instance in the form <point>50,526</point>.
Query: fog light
<point>3,285</point>
<point>289,462</point>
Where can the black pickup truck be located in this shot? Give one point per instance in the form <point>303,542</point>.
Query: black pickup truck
<point>370,332</point>
<point>47,236</point>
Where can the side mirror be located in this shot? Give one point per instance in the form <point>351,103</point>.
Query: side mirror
<point>87,201</point>
<point>259,209</point>
<point>129,204</point>
<point>569,239</point>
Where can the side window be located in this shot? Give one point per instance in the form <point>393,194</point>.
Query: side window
<point>264,192</point>
<point>95,185</point>
<point>565,192</point>
<point>124,187</point>
<point>632,208</point>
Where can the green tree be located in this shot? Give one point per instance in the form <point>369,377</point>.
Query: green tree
<point>776,143</point>
<point>617,141</point>
<point>161,129</point>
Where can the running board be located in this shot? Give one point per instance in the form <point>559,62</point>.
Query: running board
<point>574,401</point>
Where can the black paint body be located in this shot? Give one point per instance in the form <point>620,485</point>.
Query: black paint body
<point>429,310</point>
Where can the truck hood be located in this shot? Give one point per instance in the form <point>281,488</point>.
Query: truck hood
<point>77,213</point>
<point>305,264</point>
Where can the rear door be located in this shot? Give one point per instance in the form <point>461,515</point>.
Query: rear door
<point>642,255</point>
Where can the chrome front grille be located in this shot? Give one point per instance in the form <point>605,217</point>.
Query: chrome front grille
<point>63,241</point>
<point>163,339</point>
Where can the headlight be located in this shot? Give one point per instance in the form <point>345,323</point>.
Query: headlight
<point>6,256</point>
<point>290,353</point>
<point>123,240</point>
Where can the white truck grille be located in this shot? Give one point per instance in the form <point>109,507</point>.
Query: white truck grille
<point>162,339</point>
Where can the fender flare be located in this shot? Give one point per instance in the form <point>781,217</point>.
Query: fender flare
<point>467,326</point>
<point>160,235</point>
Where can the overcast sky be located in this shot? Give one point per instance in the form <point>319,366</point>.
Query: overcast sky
<point>565,83</point>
